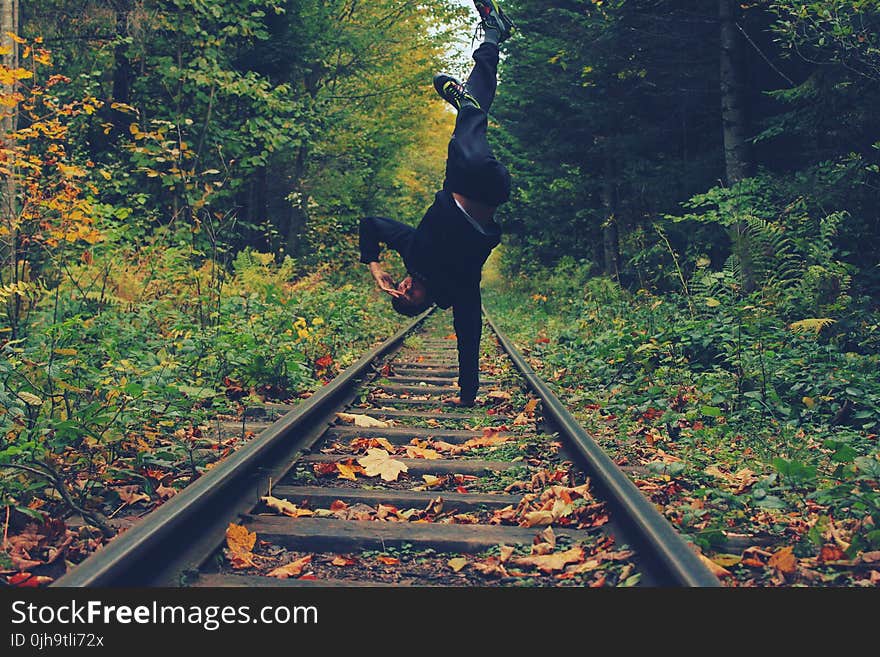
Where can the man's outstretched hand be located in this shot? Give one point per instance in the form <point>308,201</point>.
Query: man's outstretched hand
<point>383,280</point>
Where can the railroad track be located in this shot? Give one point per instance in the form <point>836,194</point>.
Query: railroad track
<point>511,492</point>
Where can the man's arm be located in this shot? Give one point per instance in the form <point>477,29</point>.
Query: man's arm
<point>468,322</point>
<point>374,230</point>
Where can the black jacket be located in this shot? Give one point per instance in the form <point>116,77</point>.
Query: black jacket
<point>446,252</point>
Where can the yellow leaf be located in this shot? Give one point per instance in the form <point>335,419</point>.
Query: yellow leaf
<point>717,570</point>
<point>712,302</point>
<point>15,37</point>
<point>457,563</point>
<point>293,569</point>
<point>504,553</point>
<point>547,563</point>
<point>433,482</point>
<point>727,560</point>
<point>378,462</point>
<point>30,399</point>
<point>490,438</point>
<point>240,544</point>
<point>421,453</point>
<point>286,507</point>
<point>347,471</point>
<point>363,421</point>
<point>809,402</point>
<point>537,519</point>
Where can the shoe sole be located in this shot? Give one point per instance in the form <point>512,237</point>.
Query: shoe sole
<point>511,28</point>
<point>441,92</point>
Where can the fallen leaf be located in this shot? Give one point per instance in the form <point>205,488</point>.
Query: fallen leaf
<point>505,552</point>
<point>432,481</point>
<point>498,395</point>
<point>871,557</point>
<point>343,561</point>
<point>717,570</point>
<point>548,563</point>
<point>240,544</point>
<point>537,519</point>
<point>421,453</point>
<point>338,505</point>
<point>384,511</point>
<point>585,567</point>
<point>324,469</point>
<point>131,494</point>
<point>490,438</point>
<point>27,580</point>
<point>727,560</point>
<point>784,560</point>
<point>831,553</point>
<point>490,566</point>
<point>292,569</point>
<point>166,492</point>
<point>378,462</point>
<point>363,421</point>
<point>347,471</point>
<point>457,563</point>
<point>388,561</point>
<point>544,542</point>
<point>360,444</point>
<point>435,506</point>
<point>285,507</point>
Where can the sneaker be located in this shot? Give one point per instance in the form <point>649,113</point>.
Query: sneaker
<point>453,91</point>
<point>493,18</point>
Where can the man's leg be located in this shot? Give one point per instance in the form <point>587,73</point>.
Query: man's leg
<point>471,168</point>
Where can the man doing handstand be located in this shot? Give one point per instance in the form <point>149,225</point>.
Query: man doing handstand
<point>444,255</point>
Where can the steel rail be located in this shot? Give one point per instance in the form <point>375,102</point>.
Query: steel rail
<point>135,557</point>
<point>659,542</point>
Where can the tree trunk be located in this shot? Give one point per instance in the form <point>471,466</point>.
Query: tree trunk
<point>734,118</point>
<point>737,154</point>
<point>299,215</point>
<point>122,71</point>
<point>610,235</point>
<point>8,24</point>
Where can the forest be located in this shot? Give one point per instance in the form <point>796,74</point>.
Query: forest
<point>691,252</point>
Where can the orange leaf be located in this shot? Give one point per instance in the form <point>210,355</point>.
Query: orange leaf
<point>27,580</point>
<point>831,553</point>
<point>784,560</point>
<point>388,561</point>
<point>547,563</point>
<point>293,569</point>
<point>324,469</point>
<point>343,561</point>
<point>240,543</point>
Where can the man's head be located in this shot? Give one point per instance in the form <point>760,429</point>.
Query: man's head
<point>413,298</point>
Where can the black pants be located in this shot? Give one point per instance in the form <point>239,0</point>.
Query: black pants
<point>471,168</point>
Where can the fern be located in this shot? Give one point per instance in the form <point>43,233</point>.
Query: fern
<point>22,289</point>
<point>814,325</point>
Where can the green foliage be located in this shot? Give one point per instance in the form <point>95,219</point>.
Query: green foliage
<point>726,383</point>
